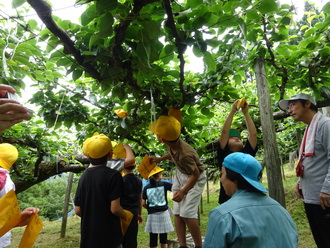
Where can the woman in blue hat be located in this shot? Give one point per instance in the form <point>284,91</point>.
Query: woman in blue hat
<point>250,218</point>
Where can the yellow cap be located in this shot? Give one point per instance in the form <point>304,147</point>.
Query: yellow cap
<point>155,170</point>
<point>166,127</point>
<point>97,146</point>
<point>8,155</point>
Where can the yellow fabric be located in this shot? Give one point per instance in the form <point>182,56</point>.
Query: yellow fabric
<point>126,221</point>
<point>240,103</point>
<point>113,143</point>
<point>8,155</point>
<point>145,167</point>
<point>97,146</point>
<point>175,113</point>
<point>9,211</point>
<point>31,232</point>
<point>155,170</point>
<point>119,151</point>
<point>121,113</point>
<point>166,127</point>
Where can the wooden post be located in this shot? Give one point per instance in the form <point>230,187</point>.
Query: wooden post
<point>66,204</point>
<point>272,157</point>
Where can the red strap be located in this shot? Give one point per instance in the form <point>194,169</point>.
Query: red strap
<point>3,179</point>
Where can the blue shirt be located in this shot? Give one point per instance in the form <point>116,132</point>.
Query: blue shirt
<point>250,219</point>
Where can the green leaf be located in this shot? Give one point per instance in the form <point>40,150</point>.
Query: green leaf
<point>151,30</point>
<point>205,111</point>
<point>105,25</point>
<point>22,60</point>
<point>267,6</point>
<point>76,74</point>
<point>92,41</point>
<point>326,8</point>
<point>194,3</point>
<point>210,61</point>
<point>283,50</point>
<point>143,53</point>
<point>286,20</point>
<point>237,79</point>
<point>106,5</point>
<point>310,32</point>
<point>17,3</point>
<point>252,14</point>
<point>32,24</point>
<point>88,15</point>
<point>197,51</point>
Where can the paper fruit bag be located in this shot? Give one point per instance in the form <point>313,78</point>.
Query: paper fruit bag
<point>9,211</point>
<point>145,167</point>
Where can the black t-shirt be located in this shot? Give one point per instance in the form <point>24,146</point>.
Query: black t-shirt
<point>131,195</point>
<point>97,187</point>
<point>156,196</point>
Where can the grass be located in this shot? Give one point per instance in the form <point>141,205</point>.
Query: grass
<point>50,234</point>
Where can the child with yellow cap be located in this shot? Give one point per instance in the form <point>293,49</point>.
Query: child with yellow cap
<point>155,201</point>
<point>131,199</point>
<point>97,199</point>
<point>8,156</point>
<point>189,178</point>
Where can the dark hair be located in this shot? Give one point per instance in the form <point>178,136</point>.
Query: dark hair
<point>97,161</point>
<point>153,179</point>
<point>241,182</point>
<point>312,107</point>
<point>131,167</point>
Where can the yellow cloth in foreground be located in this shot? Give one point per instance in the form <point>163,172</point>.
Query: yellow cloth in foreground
<point>10,216</point>
<point>9,212</point>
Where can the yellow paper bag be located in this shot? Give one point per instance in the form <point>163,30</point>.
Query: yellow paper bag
<point>119,151</point>
<point>126,221</point>
<point>145,167</point>
<point>31,232</point>
<point>9,211</point>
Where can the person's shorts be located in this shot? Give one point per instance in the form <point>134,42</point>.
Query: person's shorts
<point>188,207</point>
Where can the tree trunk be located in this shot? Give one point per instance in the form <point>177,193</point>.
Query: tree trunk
<point>66,204</point>
<point>272,158</point>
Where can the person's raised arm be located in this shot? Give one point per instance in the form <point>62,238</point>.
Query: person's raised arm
<point>251,128</point>
<point>224,137</point>
<point>130,158</point>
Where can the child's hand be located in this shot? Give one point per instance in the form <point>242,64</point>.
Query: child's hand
<point>178,196</point>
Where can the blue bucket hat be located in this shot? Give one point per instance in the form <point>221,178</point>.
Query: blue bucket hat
<point>247,166</point>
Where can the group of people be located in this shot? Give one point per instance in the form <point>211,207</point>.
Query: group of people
<point>109,200</point>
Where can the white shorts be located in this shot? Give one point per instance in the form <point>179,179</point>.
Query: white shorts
<point>188,207</point>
